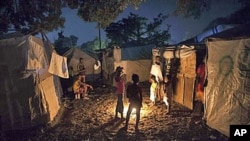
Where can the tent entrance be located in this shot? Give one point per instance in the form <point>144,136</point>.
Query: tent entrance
<point>183,76</point>
<point>183,93</point>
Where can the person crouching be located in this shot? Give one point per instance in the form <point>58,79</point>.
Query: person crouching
<point>80,88</point>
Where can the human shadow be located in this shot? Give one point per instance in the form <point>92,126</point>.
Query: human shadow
<point>123,135</point>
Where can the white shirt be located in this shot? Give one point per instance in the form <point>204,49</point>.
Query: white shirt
<point>156,70</point>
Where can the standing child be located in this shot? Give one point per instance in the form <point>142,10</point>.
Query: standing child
<point>77,89</point>
<point>153,89</point>
<point>134,94</point>
<point>120,88</point>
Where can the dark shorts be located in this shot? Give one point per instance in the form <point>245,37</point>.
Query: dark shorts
<point>82,73</point>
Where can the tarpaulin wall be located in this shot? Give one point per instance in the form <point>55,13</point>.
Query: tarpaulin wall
<point>140,67</point>
<point>132,59</point>
<point>227,95</point>
<point>29,95</point>
<point>183,92</point>
<point>186,80</point>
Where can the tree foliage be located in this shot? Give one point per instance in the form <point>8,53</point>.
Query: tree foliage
<point>63,43</point>
<point>30,15</point>
<point>240,16</point>
<point>135,30</point>
<point>92,46</point>
<point>104,12</point>
<point>192,8</point>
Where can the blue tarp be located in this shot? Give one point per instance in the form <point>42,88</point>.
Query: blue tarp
<point>137,53</point>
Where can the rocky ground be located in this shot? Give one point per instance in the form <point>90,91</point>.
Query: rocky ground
<point>93,120</point>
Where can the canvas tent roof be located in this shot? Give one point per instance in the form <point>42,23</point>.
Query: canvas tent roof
<point>73,55</point>
<point>29,94</point>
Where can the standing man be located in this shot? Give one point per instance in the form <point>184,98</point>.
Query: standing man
<point>81,69</point>
<point>134,94</point>
<point>156,71</point>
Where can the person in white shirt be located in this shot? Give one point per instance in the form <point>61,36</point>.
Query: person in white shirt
<point>156,71</point>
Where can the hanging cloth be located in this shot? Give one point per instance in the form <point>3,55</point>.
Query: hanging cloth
<point>58,66</point>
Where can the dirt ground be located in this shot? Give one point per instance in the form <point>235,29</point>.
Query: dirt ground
<point>93,120</point>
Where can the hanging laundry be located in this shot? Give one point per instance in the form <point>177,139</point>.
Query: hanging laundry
<point>58,66</point>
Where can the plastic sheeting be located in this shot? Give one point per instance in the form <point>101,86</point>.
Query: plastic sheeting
<point>140,67</point>
<point>132,59</point>
<point>183,84</point>
<point>186,79</point>
<point>227,95</point>
<point>181,52</point>
<point>23,102</point>
<point>137,53</point>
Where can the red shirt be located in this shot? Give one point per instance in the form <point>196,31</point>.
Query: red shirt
<point>120,86</point>
<point>201,73</point>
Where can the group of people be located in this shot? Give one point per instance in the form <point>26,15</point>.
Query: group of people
<point>134,91</point>
<point>134,94</point>
<point>160,84</point>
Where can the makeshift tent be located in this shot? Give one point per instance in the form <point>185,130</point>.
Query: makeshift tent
<point>91,62</point>
<point>180,64</point>
<point>132,59</point>
<point>227,95</point>
<point>29,95</point>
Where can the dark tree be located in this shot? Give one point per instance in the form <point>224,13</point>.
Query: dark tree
<point>60,35</point>
<point>135,30</point>
<point>104,12</point>
<point>30,15</point>
<point>63,43</point>
<point>195,8</point>
<point>240,16</point>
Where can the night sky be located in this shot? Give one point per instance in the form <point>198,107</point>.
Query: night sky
<point>181,28</point>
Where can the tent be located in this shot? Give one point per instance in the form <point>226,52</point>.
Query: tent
<point>29,95</point>
<point>180,64</point>
<point>132,59</point>
<point>227,95</point>
<point>91,62</point>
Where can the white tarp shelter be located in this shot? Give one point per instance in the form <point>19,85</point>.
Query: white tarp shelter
<point>132,59</point>
<point>227,95</point>
<point>29,95</point>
